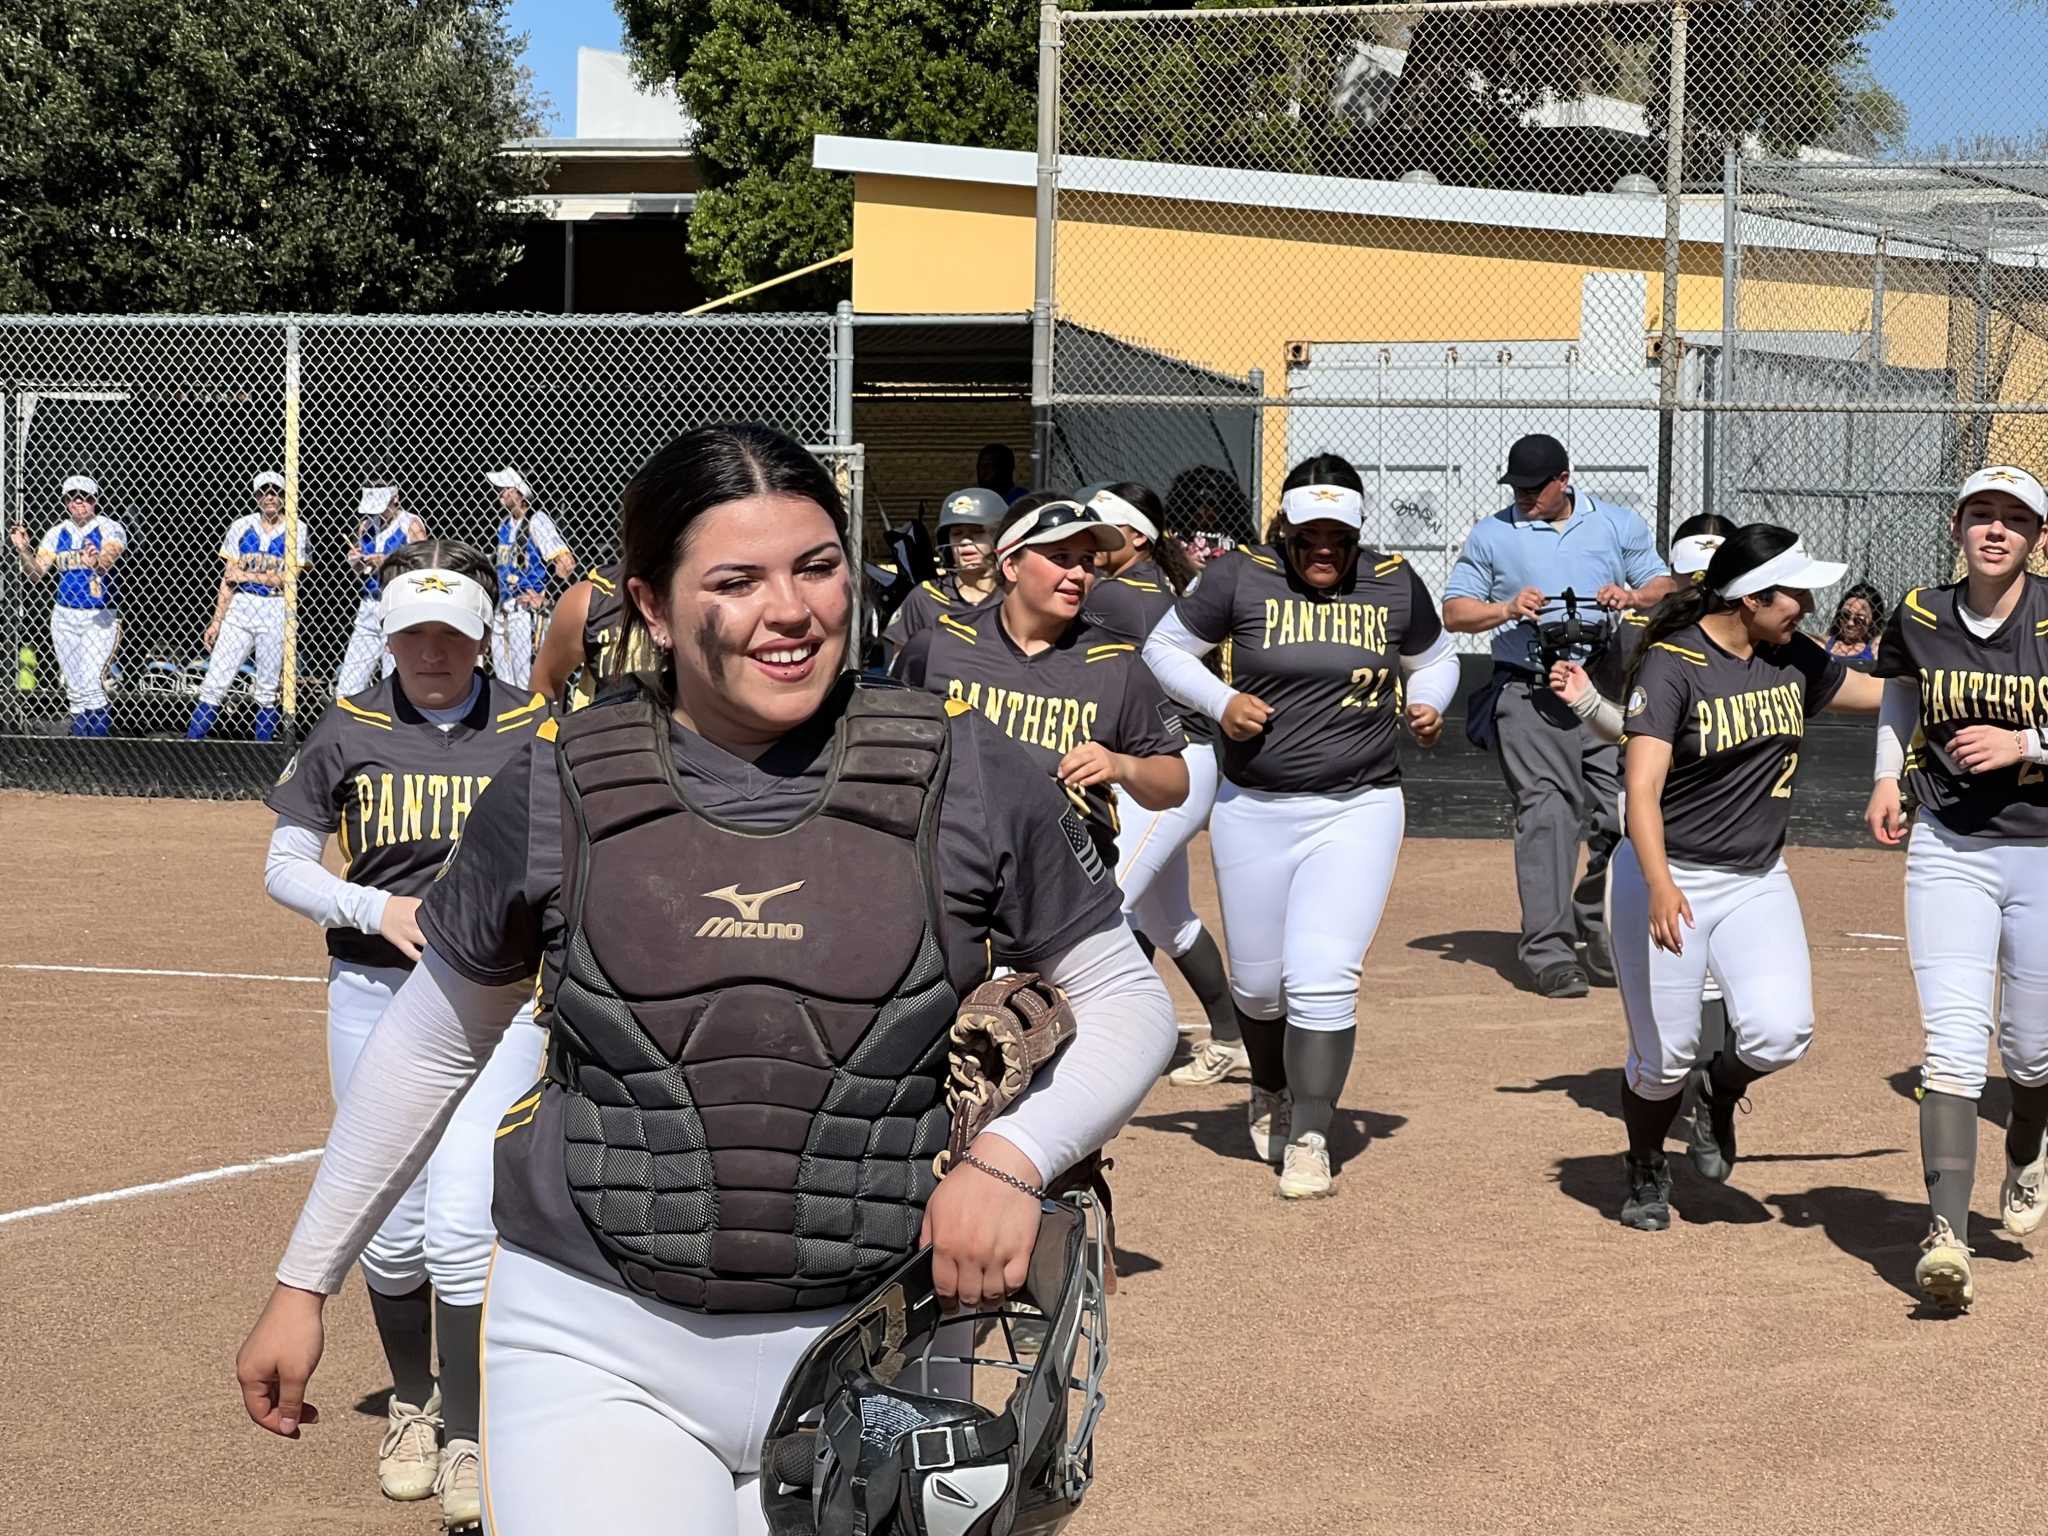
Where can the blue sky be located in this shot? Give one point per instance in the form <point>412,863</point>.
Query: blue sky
<point>1960,66</point>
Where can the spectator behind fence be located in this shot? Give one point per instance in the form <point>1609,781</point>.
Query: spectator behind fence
<point>1207,511</point>
<point>995,469</point>
<point>1564,780</point>
<point>1858,623</point>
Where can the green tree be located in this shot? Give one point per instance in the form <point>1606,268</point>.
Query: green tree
<point>230,155</point>
<point>761,77</point>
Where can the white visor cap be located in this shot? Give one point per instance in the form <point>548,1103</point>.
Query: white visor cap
<point>436,597</point>
<point>1314,503</point>
<point>2016,483</point>
<point>1691,556</point>
<point>509,479</point>
<point>1793,568</point>
<point>83,484</point>
<point>1119,513</point>
<point>269,480</point>
<point>375,499</point>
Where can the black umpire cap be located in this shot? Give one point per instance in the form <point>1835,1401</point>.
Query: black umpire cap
<point>1535,460</point>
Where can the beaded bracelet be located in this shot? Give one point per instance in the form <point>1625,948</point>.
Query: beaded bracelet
<point>1008,1178</point>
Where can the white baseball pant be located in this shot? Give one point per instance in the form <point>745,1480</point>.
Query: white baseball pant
<point>1710,989</point>
<point>85,639</point>
<point>1975,911</point>
<point>512,630</point>
<point>251,623</point>
<point>359,663</point>
<point>1303,882</point>
<point>1747,931</point>
<point>441,1229</point>
<point>1152,856</point>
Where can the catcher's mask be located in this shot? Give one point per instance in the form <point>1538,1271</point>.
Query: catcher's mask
<point>902,1421</point>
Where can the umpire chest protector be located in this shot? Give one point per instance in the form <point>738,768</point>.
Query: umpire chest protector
<point>751,1026</point>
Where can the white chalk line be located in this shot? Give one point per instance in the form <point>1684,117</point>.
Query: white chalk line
<point>183,1181</point>
<point>129,970</point>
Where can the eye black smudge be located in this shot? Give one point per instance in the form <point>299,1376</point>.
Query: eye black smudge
<point>713,645</point>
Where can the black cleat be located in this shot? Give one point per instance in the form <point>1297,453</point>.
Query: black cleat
<point>1563,979</point>
<point>1648,1206</point>
<point>1712,1141</point>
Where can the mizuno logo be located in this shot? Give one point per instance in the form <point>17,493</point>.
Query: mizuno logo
<point>748,924</point>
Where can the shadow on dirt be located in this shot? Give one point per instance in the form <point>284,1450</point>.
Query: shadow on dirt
<point>1221,1130</point>
<point>1885,1234</point>
<point>1994,1105</point>
<point>1495,951</point>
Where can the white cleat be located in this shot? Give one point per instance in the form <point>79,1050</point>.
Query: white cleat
<point>1214,1060</point>
<point>1268,1117</point>
<point>1943,1273</point>
<point>460,1486</point>
<point>1305,1174</point>
<point>409,1457</point>
<point>2023,1201</point>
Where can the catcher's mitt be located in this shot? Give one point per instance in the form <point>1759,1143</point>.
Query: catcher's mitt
<point>1005,1031</point>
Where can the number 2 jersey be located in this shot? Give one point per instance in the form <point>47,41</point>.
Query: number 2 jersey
<point>1999,680</point>
<point>395,789</point>
<point>1734,726</point>
<point>1328,663</point>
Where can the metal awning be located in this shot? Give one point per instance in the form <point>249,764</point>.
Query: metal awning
<point>1955,207</point>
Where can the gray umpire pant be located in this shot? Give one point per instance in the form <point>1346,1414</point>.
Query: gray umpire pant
<point>1567,784</point>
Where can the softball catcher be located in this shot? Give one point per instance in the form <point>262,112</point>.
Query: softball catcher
<point>1136,587</point>
<point>1716,712</point>
<point>248,611</point>
<point>85,620</point>
<point>796,878</point>
<point>395,775</point>
<point>1965,671</point>
<point>1333,648</point>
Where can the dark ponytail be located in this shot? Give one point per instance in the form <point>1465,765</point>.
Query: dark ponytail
<point>1741,552</point>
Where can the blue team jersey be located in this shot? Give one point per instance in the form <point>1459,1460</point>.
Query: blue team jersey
<point>528,574</point>
<point>381,542</point>
<point>68,543</point>
<point>258,549</point>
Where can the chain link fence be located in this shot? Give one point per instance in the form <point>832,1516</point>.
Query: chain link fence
<point>148,597</point>
<point>1781,262</point>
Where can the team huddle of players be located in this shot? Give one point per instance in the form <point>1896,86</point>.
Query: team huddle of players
<point>84,549</point>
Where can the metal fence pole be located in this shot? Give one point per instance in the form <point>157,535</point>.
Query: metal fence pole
<point>1721,428</point>
<point>1257,380</point>
<point>1980,430</point>
<point>1667,380</point>
<point>1044,211</point>
<point>842,373</point>
<point>288,684</point>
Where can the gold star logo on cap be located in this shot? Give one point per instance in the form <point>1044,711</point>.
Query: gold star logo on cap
<point>2002,477</point>
<point>429,583</point>
<point>1324,493</point>
<point>963,504</point>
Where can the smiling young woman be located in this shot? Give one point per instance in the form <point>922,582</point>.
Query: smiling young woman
<point>755,890</point>
<point>1976,868</point>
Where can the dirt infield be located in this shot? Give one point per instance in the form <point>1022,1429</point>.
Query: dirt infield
<point>1462,1341</point>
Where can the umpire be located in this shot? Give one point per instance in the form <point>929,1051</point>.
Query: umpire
<point>1565,780</point>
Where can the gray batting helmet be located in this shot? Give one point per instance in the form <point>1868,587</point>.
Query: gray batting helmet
<point>982,509</point>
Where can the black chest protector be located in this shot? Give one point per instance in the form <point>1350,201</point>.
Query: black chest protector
<point>751,1027</point>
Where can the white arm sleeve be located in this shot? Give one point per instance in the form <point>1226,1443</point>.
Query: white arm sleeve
<point>1432,677</point>
<point>296,880</point>
<point>433,1039</point>
<point>1174,653</point>
<point>1601,714</point>
<point>1898,717</point>
<point>1123,1039</point>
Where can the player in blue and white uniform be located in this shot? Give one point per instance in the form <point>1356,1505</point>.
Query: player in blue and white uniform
<point>248,611</point>
<point>85,622</point>
<point>382,525</point>
<point>530,548</point>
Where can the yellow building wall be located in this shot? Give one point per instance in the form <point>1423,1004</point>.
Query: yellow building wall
<point>940,247</point>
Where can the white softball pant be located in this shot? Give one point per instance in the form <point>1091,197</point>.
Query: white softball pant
<point>512,629</point>
<point>1710,989</point>
<point>1303,881</point>
<point>359,663</point>
<point>85,639</point>
<point>1152,856</point>
<point>251,623</point>
<point>1976,913</point>
<point>1748,933</point>
<point>440,1230</point>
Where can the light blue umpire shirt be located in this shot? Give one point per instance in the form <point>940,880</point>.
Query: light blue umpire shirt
<point>1597,545</point>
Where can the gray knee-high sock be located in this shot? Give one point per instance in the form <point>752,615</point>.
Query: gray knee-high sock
<point>1202,969</point>
<point>1713,1027</point>
<point>1318,1061</point>
<point>2029,1122</point>
<point>1265,1042</point>
<point>405,1326</point>
<point>1948,1154</point>
<point>460,1331</point>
